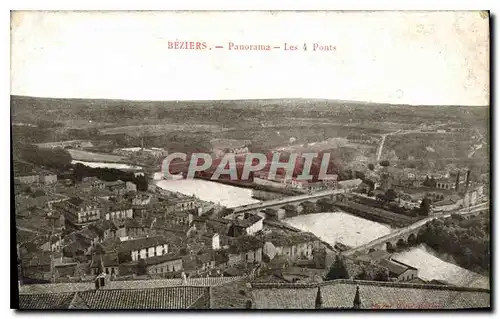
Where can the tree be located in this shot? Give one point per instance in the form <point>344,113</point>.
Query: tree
<point>427,182</point>
<point>359,175</point>
<point>371,167</point>
<point>433,182</point>
<point>385,163</point>
<point>54,158</point>
<point>338,270</point>
<point>425,206</point>
<point>391,195</point>
<point>141,267</point>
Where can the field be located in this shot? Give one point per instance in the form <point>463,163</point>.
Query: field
<point>430,146</point>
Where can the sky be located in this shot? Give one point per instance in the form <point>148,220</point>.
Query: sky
<point>418,58</point>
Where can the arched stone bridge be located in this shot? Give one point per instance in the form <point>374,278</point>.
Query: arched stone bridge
<point>296,201</point>
<point>408,235</point>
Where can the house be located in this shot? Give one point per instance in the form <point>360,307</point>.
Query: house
<point>39,265</point>
<point>48,178</point>
<point>141,199</point>
<point>44,242</point>
<point>139,227</point>
<point>90,183</point>
<point>79,212</point>
<point>182,204</point>
<point>119,210</point>
<point>180,217</point>
<point>118,187</point>
<point>130,187</point>
<point>248,225</point>
<point>77,249</point>
<point>66,270</point>
<point>350,184</point>
<point>29,178</point>
<point>245,249</point>
<point>293,246</point>
<point>399,270</point>
<point>211,240</point>
<point>107,263</point>
<point>206,261</point>
<point>55,198</point>
<point>143,248</point>
<point>104,229</point>
<point>168,263</point>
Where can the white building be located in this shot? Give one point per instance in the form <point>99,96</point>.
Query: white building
<point>144,248</point>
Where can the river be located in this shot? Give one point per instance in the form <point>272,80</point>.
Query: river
<point>354,231</point>
<point>432,267</point>
<point>339,226</point>
<point>330,227</point>
<point>107,165</point>
<point>225,195</point>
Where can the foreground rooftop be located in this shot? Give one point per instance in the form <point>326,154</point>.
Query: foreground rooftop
<point>339,294</point>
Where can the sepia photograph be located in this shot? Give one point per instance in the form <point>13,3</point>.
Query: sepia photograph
<point>251,160</point>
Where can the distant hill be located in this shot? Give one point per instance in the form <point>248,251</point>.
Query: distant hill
<point>28,109</point>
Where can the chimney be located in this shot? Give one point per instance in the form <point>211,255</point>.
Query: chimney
<point>100,281</point>
<point>248,304</point>
<point>319,299</point>
<point>457,182</point>
<point>467,180</point>
<point>356,304</point>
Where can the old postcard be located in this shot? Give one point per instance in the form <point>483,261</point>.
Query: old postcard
<point>251,160</point>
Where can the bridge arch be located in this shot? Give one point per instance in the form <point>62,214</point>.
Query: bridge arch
<point>412,239</point>
<point>389,246</point>
<point>401,243</point>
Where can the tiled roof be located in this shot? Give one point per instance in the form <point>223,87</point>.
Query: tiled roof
<point>205,258</point>
<point>141,243</point>
<point>126,284</point>
<point>247,222</point>
<point>393,267</point>
<point>66,269</point>
<point>161,259</point>
<point>340,294</point>
<point>108,260</point>
<point>45,301</point>
<point>138,223</point>
<point>156,298</point>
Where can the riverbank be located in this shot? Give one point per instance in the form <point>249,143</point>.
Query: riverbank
<point>375,214</point>
<point>251,185</point>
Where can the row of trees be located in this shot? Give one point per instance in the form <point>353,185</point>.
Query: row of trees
<point>338,270</point>
<point>56,158</point>
<point>110,174</point>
